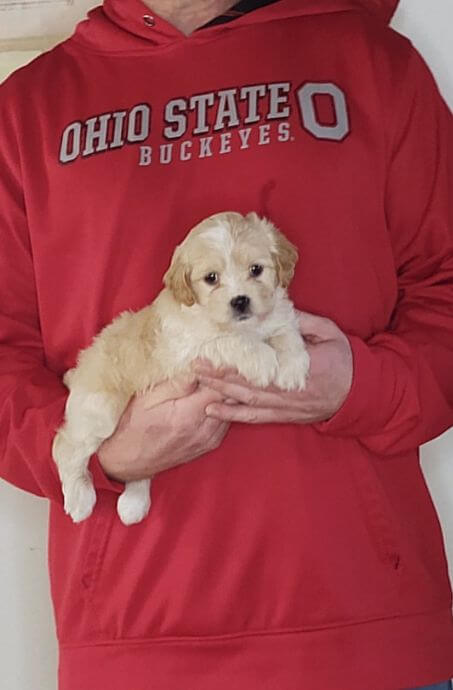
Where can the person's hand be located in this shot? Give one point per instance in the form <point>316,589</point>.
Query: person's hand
<point>328,384</point>
<point>162,428</point>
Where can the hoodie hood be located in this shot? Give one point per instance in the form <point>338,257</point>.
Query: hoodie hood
<point>130,25</point>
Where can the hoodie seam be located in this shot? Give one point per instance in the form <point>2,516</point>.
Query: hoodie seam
<point>188,639</point>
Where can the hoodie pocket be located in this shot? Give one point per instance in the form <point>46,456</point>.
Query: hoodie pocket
<point>286,541</point>
<point>376,511</point>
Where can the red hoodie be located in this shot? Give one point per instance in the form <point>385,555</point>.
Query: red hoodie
<point>293,557</point>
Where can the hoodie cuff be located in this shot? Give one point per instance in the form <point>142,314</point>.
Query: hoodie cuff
<point>365,410</point>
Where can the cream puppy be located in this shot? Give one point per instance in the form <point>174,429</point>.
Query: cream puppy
<point>224,300</point>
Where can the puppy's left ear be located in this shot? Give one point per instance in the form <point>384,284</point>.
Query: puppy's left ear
<point>284,253</point>
<point>177,279</point>
<point>285,257</point>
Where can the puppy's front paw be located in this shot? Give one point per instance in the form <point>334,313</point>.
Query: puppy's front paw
<point>134,503</point>
<point>261,368</point>
<point>79,497</point>
<point>293,371</point>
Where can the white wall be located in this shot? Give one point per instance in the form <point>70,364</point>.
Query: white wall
<point>27,642</point>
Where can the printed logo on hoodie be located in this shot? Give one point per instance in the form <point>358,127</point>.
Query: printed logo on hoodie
<point>212,123</point>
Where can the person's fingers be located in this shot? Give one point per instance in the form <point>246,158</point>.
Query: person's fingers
<point>252,397</point>
<point>203,367</point>
<point>252,415</point>
<point>172,389</point>
<point>205,395</point>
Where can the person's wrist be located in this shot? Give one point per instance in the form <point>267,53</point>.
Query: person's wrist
<point>100,477</point>
<point>116,464</point>
<point>126,463</point>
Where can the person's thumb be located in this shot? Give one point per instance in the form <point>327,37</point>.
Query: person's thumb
<point>316,328</point>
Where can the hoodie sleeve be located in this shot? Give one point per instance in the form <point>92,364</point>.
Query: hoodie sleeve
<point>402,390</point>
<point>32,398</point>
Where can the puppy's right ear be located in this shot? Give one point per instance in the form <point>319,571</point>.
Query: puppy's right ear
<point>177,279</point>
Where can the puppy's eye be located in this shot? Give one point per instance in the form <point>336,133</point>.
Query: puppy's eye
<point>256,270</point>
<point>211,278</point>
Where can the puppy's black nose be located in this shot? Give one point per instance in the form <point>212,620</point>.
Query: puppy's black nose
<point>240,303</point>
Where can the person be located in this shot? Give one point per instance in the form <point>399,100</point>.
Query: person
<point>301,548</point>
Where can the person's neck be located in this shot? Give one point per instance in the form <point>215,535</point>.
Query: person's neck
<point>188,15</point>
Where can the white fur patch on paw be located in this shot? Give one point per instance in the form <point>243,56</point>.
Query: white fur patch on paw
<point>133,506</point>
<point>293,372</point>
<point>79,498</point>
<point>261,369</point>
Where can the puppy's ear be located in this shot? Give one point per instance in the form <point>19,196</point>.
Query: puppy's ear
<point>285,257</point>
<point>177,279</point>
<point>284,253</point>
<point>254,219</point>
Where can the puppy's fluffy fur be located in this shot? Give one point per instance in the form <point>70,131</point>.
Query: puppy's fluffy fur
<point>224,300</point>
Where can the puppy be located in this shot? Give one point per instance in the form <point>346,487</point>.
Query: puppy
<point>224,300</point>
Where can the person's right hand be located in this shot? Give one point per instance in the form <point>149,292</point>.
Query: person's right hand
<point>162,428</point>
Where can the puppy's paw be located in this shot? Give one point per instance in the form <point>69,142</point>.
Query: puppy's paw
<point>261,369</point>
<point>293,371</point>
<point>134,503</point>
<point>132,510</point>
<point>79,497</point>
<point>254,360</point>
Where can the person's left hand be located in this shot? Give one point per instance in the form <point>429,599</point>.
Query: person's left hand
<point>328,384</point>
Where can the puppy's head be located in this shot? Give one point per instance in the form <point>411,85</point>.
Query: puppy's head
<point>231,265</point>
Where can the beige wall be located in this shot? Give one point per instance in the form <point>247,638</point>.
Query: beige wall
<point>11,60</point>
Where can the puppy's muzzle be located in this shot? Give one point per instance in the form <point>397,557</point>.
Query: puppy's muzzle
<point>241,306</point>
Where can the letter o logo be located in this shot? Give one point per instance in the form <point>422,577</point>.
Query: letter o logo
<point>310,121</point>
